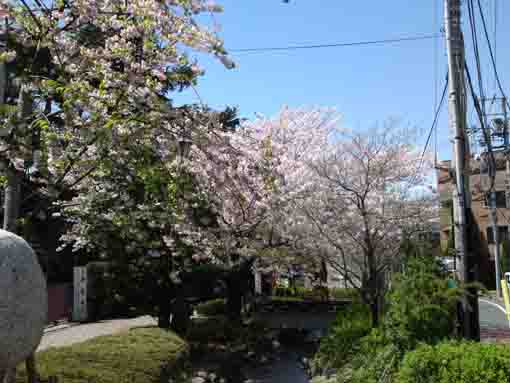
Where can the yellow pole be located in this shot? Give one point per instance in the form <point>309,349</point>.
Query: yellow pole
<point>506,297</point>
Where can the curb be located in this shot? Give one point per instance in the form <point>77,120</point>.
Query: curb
<point>59,327</point>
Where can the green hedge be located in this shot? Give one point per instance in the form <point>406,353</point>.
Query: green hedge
<point>303,293</point>
<point>456,362</point>
<point>141,355</point>
<point>338,293</point>
<point>212,308</point>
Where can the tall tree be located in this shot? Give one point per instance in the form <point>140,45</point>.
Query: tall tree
<point>350,197</point>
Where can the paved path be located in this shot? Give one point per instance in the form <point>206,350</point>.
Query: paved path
<point>492,314</point>
<point>80,333</point>
<point>494,325</point>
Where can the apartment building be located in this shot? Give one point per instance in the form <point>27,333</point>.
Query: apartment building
<point>482,232</point>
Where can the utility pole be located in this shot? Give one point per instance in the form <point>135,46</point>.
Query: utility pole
<point>457,121</point>
<point>506,133</point>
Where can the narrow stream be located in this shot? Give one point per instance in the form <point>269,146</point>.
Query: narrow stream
<point>287,369</point>
<point>283,365</point>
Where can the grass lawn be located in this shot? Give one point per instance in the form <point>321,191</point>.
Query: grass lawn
<point>137,356</point>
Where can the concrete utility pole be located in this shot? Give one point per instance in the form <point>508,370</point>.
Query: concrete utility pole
<point>457,121</point>
<point>506,131</point>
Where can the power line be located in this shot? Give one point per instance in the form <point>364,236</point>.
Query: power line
<point>434,123</point>
<point>493,60</point>
<point>485,133</point>
<point>337,45</point>
<point>474,35</point>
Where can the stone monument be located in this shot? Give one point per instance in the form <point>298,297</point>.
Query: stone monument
<point>23,303</point>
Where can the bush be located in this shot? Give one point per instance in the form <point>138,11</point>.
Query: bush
<point>422,308</point>
<point>212,308</point>
<point>295,292</point>
<point>338,293</point>
<point>140,356</point>
<point>210,330</point>
<point>221,330</point>
<point>459,362</point>
<point>344,337</point>
<point>286,299</point>
<point>375,365</point>
<point>301,293</point>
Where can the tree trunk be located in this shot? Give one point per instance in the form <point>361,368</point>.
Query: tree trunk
<point>164,301</point>
<point>234,305</point>
<point>374,309</point>
<point>164,313</point>
<point>31,369</point>
<point>234,296</point>
<point>373,286</point>
<point>11,206</point>
<point>180,316</point>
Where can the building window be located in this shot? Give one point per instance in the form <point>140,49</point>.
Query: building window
<point>503,234</point>
<point>500,200</point>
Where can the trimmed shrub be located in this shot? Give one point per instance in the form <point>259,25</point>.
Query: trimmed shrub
<point>212,308</point>
<point>316,293</point>
<point>140,355</point>
<point>459,362</point>
<point>221,330</point>
<point>286,299</point>
<point>339,293</point>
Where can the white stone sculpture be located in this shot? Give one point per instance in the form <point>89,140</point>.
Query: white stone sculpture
<point>23,302</point>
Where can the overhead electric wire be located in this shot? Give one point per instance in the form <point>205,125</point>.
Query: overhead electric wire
<point>493,60</point>
<point>434,123</point>
<point>492,162</point>
<point>336,45</point>
<point>474,36</point>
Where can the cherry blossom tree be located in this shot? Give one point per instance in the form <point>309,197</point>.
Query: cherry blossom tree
<point>100,74</point>
<point>350,198</point>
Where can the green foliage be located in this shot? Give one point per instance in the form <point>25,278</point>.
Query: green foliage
<point>342,293</point>
<point>286,299</point>
<point>223,331</point>
<point>421,309</point>
<point>208,330</point>
<point>374,365</point>
<point>344,338</point>
<point>316,293</point>
<point>212,308</point>
<point>459,362</point>
<point>421,305</point>
<point>138,356</point>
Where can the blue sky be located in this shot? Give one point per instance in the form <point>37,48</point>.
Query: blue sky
<point>365,83</point>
